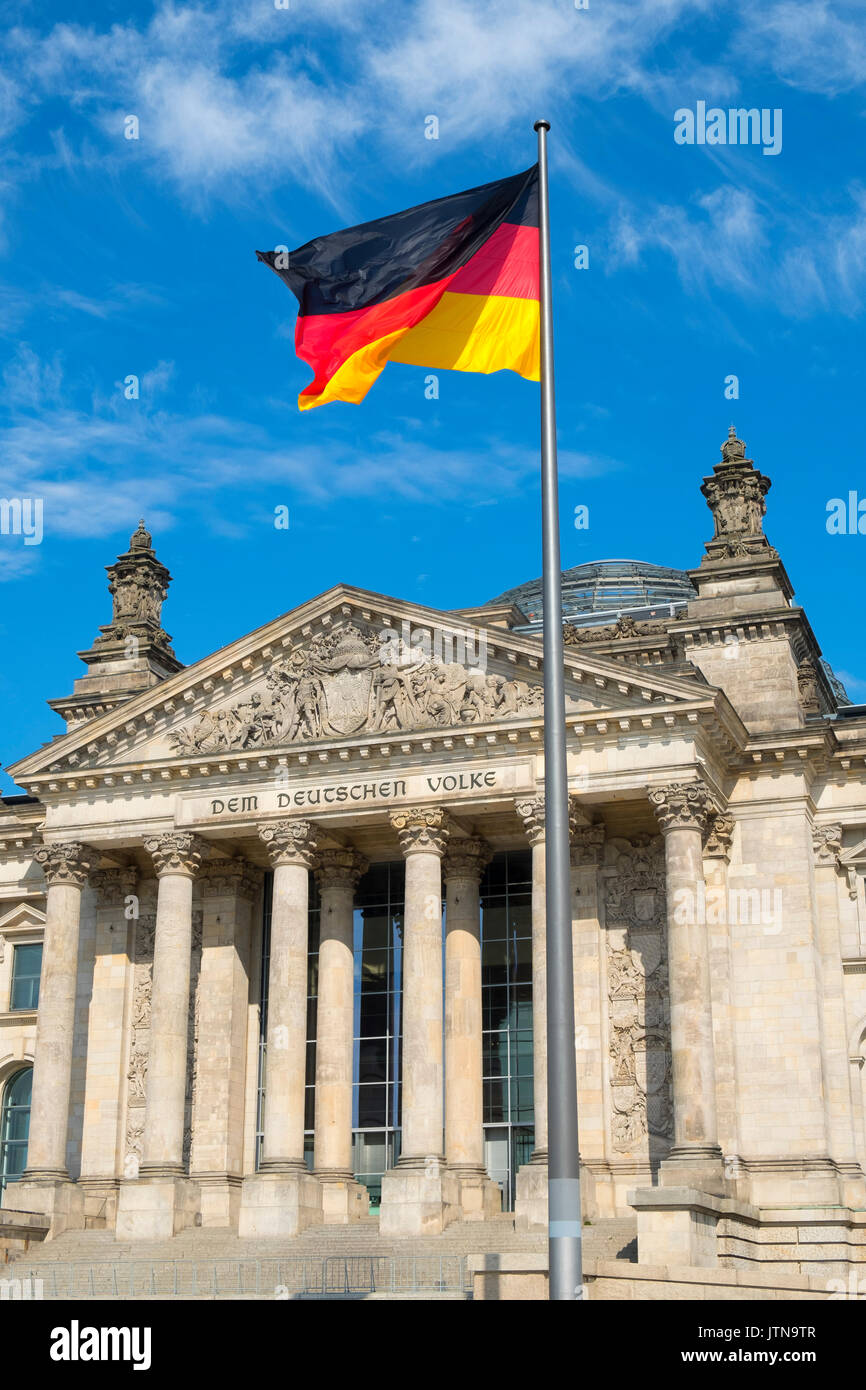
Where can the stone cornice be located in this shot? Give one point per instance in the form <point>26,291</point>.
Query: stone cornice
<point>229,671</point>
<point>713,715</point>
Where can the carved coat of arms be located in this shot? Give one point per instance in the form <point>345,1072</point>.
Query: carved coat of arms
<point>341,683</point>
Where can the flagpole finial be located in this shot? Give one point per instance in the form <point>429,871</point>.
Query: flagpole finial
<point>541,125</point>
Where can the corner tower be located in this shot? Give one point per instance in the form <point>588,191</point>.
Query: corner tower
<point>742,631</point>
<point>133,651</point>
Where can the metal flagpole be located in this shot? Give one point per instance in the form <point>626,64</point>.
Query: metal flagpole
<point>564,1215</point>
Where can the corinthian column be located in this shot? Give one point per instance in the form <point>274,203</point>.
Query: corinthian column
<point>682,810</point>
<point>337,874</point>
<point>65,867</point>
<point>176,858</point>
<point>413,1201</point>
<point>476,1194</point>
<point>283,1196</point>
<point>292,849</point>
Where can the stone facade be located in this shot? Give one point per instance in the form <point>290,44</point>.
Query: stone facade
<point>718,847</point>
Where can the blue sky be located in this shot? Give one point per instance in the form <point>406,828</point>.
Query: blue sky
<point>261,126</point>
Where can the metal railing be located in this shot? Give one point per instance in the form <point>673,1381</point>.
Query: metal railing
<point>333,1275</point>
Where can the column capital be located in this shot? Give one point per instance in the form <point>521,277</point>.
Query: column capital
<point>230,878</point>
<point>681,806</point>
<point>68,862</point>
<point>176,852</point>
<point>291,842</point>
<point>827,844</point>
<point>531,811</point>
<point>587,845</point>
<point>467,858</point>
<point>113,885</point>
<point>578,818</point>
<point>422,828</point>
<point>718,845</point>
<point>340,868</point>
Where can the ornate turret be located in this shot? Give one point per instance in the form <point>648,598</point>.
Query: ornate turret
<point>742,630</point>
<point>735,496</point>
<point>133,651</point>
<point>138,584</point>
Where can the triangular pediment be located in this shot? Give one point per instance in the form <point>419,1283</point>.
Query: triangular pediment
<point>24,917</point>
<point>347,665</point>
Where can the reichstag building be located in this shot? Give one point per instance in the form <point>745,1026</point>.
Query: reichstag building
<point>272,925</point>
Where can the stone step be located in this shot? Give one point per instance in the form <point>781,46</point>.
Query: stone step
<point>318,1241</point>
<point>323,1262</point>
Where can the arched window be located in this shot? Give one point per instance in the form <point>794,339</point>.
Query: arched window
<point>15,1125</point>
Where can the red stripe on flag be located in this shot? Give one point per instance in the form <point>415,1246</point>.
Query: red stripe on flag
<point>326,341</point>
<point>506,264</point>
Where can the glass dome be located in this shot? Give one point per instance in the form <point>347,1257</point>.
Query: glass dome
<point>599,591</point>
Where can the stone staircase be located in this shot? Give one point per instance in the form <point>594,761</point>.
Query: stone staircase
<point>323,1261</point>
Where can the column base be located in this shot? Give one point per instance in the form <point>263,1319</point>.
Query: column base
<point>100,1201</point>
<point>279,1203</point>
<point>220,1199</point>
<point>530,1200</point>
<point>157,1207</point>
<point>415,1198</point>
<point>700,1166</point>
<point>806,1180</point>
<point>60,1199</point>
<point>677,1226</point>
<point>343,1199</point>
<point>475,1195</point>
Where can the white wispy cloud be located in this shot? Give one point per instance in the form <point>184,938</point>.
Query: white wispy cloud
<point>733,240</point>
<point>100,465</point>
<point>807,43</point>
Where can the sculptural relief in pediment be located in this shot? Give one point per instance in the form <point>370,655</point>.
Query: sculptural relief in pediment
<point>349,682</point>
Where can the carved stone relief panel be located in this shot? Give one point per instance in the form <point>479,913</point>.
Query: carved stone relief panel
<point>639,1064</point>
<point>192,1033</point>
<point>139,1050</point>
<point>142,984</point>
<point>347,681</point>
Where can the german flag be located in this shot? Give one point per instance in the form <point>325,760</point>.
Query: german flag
<point>451,284</point>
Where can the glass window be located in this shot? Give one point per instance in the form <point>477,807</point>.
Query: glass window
<point>506,1002</point>
<point>26,969</point>
<point>15,1126</point>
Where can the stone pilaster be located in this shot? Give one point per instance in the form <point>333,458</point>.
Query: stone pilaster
<point>838,1100</point>
<point>161,1201</point>
<point>343,1199</point>
<point>45,1185</point>
<point>108,1024</point>
<point>587,847</point>
<point>476,1195</point>
<point>229,888</point>
<point>284,1197</point>
<point>413,1195</point>
<point>683,811</point>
